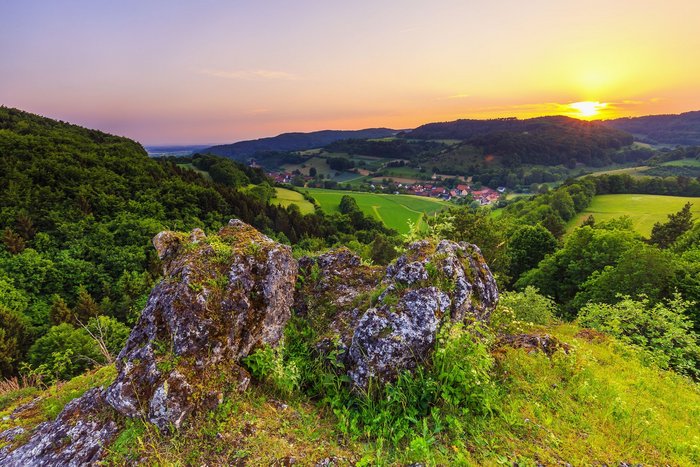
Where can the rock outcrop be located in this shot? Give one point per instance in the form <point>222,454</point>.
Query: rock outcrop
<point>220,298</point>
<point>77,437</point>
<point>226,295</point>
<point>383,322</point>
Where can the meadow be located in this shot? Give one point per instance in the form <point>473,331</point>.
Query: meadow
<point>644,210</point>
<point>394,210</point>
<point>286,197</point>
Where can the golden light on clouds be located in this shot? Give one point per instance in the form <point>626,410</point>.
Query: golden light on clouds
<point>588,109</point>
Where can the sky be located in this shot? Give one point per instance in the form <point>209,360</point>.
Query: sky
<point>218,71</point>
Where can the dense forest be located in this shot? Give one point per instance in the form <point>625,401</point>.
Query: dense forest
<point>542,140</point>
<point>667,129</point>
<point>78,210</point>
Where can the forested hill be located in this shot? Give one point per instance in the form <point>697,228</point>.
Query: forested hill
<point>295,142</point>
<point>668,129</point>
<point>78,210</point>
<point>542,140</point>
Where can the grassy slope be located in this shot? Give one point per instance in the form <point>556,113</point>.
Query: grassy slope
<point>598,404</point>
<point>286,197</point>
<point>644,210</point>
<point>394,210</point>
<point>204,173</point>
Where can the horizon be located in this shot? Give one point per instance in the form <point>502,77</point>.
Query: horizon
<point>216,73</point>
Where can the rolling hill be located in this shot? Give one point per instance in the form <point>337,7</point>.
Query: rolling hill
<point>543,140</point>
<point>666,129</point>
<point>294,142</point>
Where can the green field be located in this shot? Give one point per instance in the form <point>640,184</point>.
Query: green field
<point>189,166</point>
<point>394,210</point>
<point>683,163</point>
<point>286,197</point>
<point>645,210</point>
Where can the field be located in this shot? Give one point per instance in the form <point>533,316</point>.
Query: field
<point>195,169</point>
<point>394,210</point>
<point>645,210</point>
<point>286,197</point>
<point>683,163</point>
<point>637,171</point>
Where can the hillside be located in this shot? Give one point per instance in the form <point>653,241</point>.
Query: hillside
<point>666,129</point>
<point>294,142</point>
<point>78,210</point>
<point>542,140</point>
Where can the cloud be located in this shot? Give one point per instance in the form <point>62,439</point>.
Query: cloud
<point>251,75</point>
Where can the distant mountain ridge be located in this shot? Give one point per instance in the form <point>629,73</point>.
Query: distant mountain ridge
<point>295,141</point>
<point>548,140</point>
<point>466,129</point>
<point>666,129</point>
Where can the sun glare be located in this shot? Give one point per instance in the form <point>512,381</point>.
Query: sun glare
<point>588,109</point>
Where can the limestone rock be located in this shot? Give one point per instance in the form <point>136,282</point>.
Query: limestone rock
<point>77,437</point>
<point>220,299</point>
<point>383,322</point>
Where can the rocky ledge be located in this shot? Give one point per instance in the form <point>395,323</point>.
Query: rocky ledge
<point>222,297</point>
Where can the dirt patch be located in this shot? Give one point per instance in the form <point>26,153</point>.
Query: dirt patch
<point>591,335</point>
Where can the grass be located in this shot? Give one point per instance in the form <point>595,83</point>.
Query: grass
<point>189,166</point>
<point>637,171</point>
<point>286,197</point>
<point>683,163</point>
<point>395,211</point>
<point>37,406</point>
<point>599,404</point>
<point>645,210</point>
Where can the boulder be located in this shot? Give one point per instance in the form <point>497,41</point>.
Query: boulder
<point>221,298</point>
<point>382,322</point>
<point>77,437</point>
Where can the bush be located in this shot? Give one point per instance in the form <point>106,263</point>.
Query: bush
<point>518,309</point>
<point>66,351</point>
<point>662,330</point>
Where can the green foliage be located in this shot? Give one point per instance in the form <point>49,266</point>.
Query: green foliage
<point>640,270</point>
<point>407,414</point>
<point>348,205</point>
<point>585,251</point>
<point>383,250</point>
<point>14,336</point>
<point>661,329</point>
<point>267,364</point>
<point>480,228</point>
<point>664,235</point>
<point>527,246</point>
<point>529,306</point>
<point>66,351</point>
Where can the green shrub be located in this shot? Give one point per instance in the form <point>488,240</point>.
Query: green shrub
<point>66,351</point>
<point>267,364</point>
<point>517,310</point>
<point>662,330</point>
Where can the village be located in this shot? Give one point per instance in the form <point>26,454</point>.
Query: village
<point>482,195</point>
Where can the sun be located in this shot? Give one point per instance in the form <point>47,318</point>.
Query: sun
<point>588,109</point>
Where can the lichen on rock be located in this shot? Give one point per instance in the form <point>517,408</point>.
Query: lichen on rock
<point>221,297</point>
<point>382,322</point>
<point>77,437</point>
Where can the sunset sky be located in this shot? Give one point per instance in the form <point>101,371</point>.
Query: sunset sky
<point>176,72</point>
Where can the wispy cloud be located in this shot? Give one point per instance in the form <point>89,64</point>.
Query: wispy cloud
<point>251,75</point>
